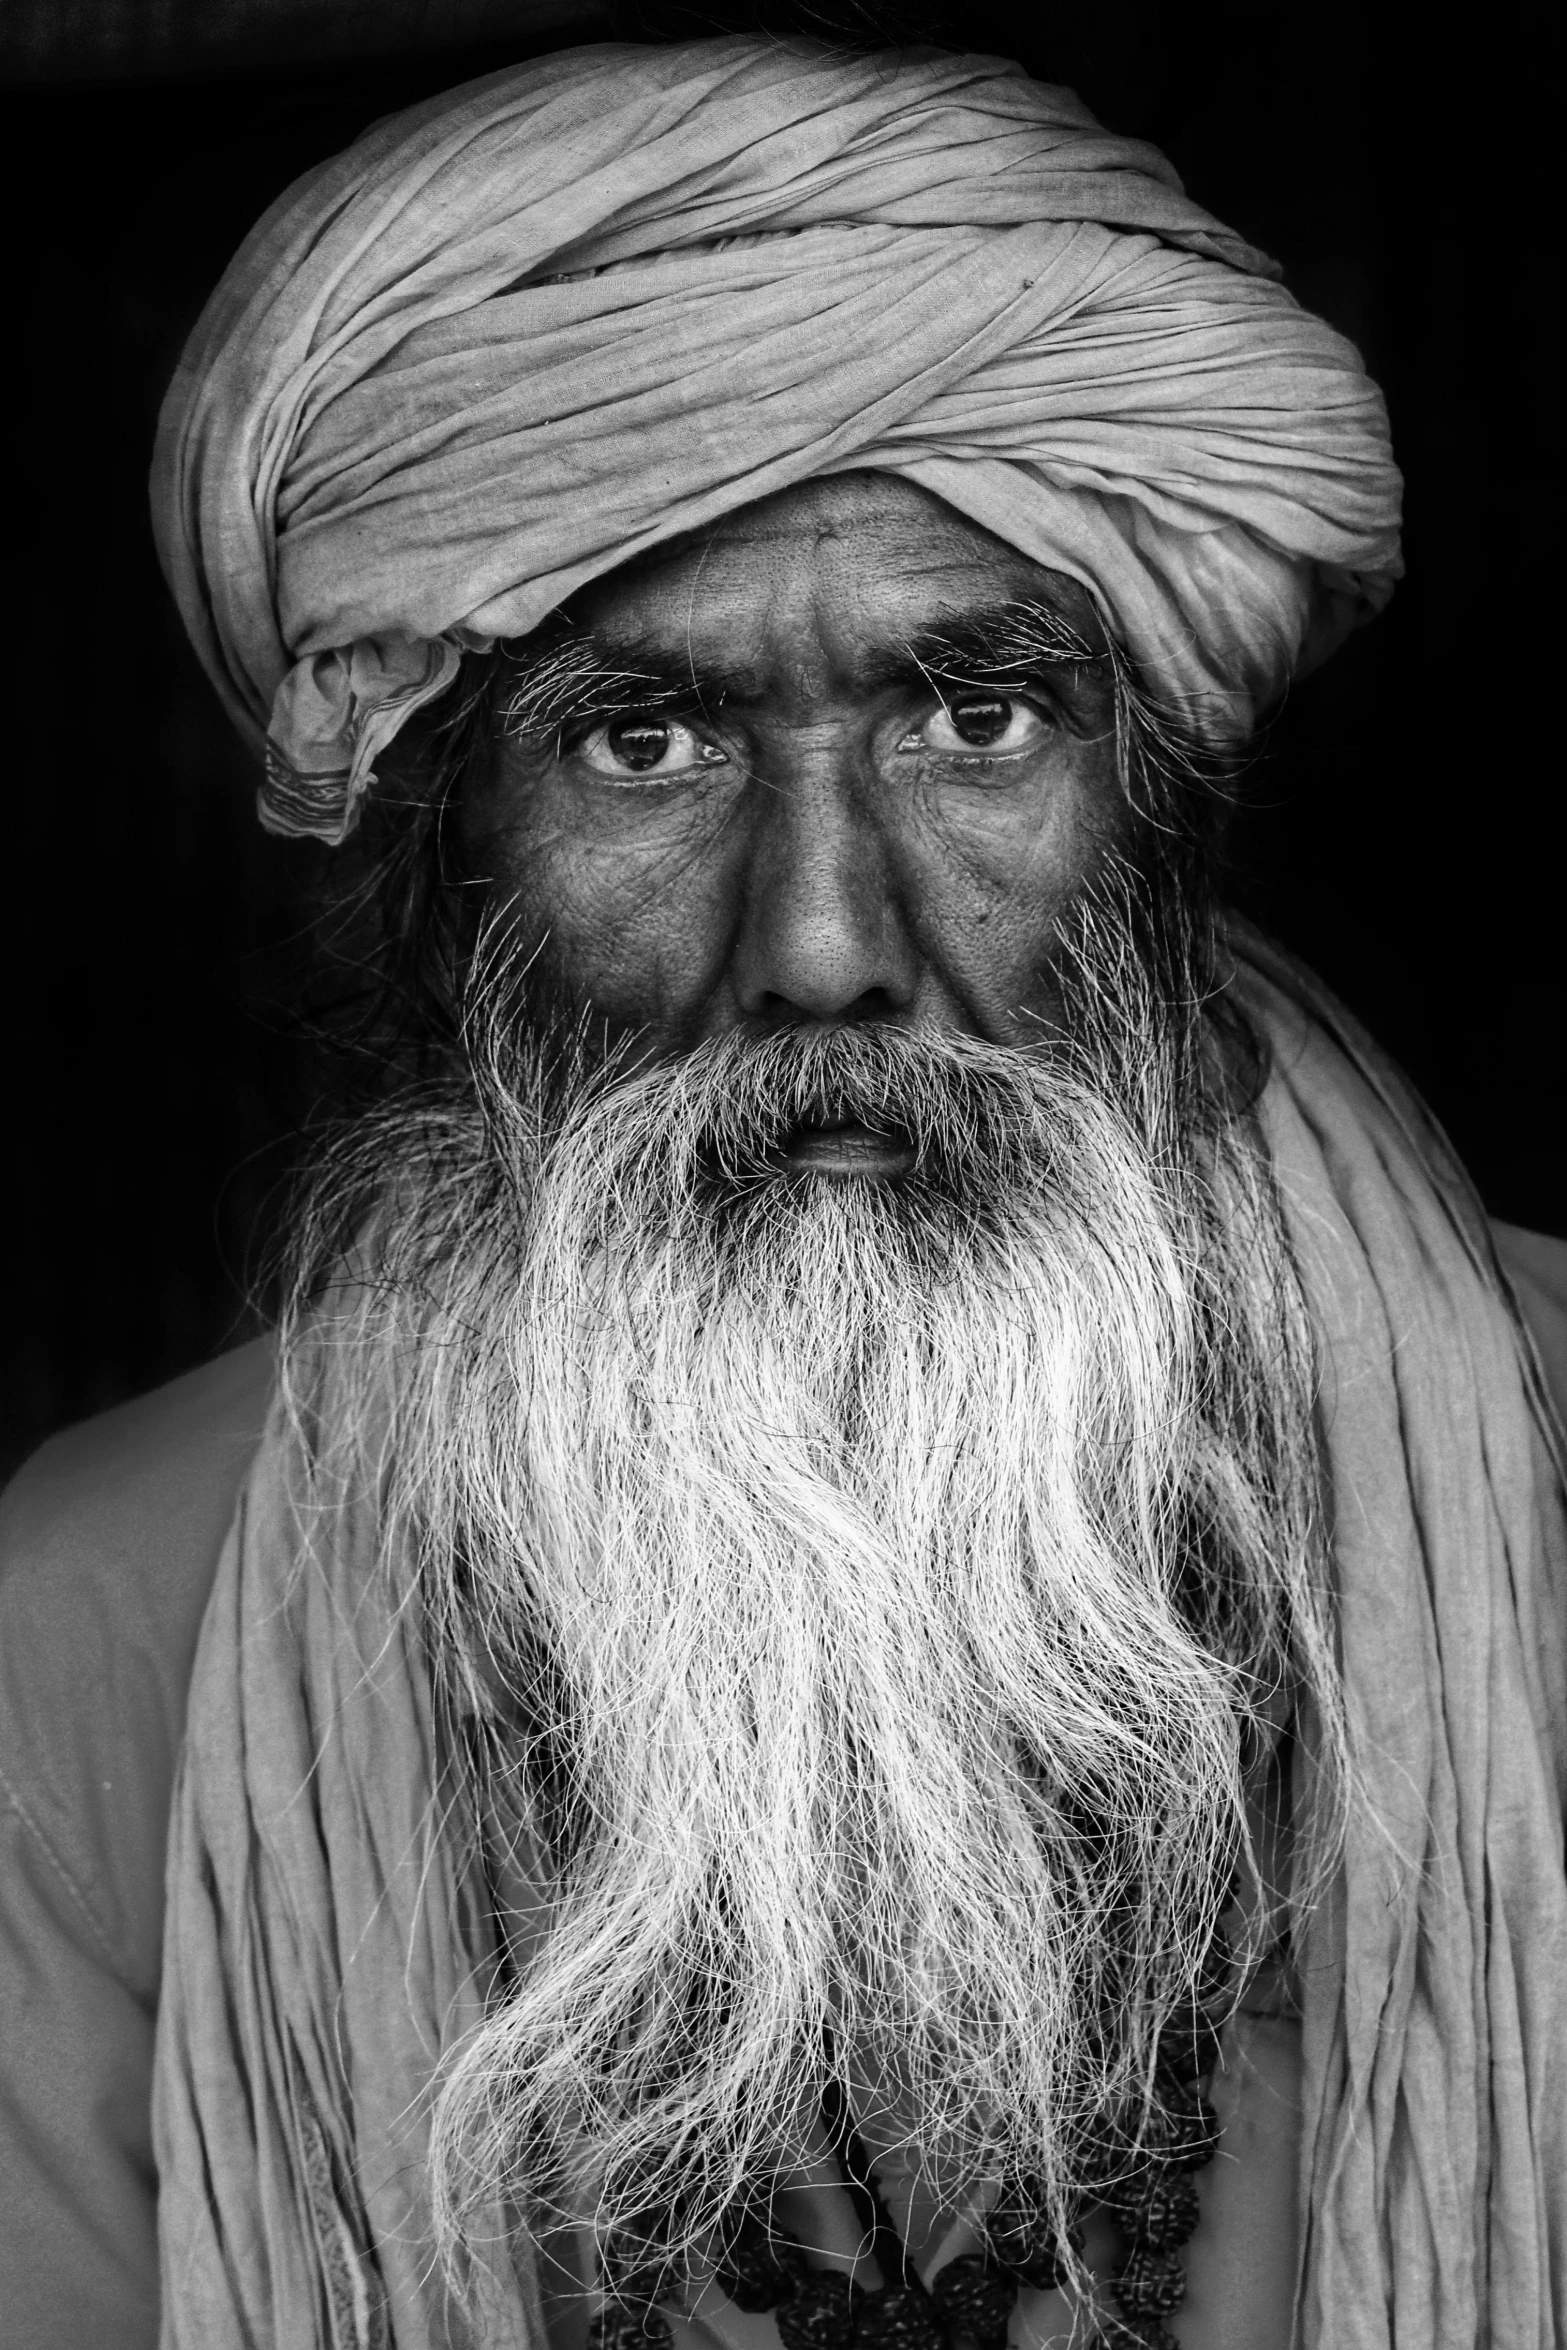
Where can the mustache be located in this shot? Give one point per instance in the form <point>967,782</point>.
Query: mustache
<point>715,1124</point>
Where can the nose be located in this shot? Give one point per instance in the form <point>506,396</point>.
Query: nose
<point>822,936</point>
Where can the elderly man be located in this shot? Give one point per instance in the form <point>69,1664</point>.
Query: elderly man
<point>893,1669</point>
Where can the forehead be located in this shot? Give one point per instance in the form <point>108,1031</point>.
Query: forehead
<point>836,568</point>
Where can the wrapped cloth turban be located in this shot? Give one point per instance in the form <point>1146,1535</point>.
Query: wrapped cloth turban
<point>518,334</point>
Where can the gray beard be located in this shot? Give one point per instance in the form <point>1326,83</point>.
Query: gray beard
<point>869,1595</point>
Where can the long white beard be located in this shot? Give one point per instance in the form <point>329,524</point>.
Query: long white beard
<point>820,1548</point>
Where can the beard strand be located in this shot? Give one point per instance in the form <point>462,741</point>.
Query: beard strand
<point>868,1596</point>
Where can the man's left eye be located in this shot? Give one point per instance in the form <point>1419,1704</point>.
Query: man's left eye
<point>644,745</point>
<point>978,725</point>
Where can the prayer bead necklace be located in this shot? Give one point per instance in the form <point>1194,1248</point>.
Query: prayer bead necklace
<point>1143,2176</point>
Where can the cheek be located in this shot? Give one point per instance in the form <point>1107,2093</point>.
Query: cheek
<point>994,874</point>
<point>626,911</point>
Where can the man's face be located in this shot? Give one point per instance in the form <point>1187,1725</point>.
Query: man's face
<point>847,771</point>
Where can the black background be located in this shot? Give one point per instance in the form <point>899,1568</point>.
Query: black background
<point>1399,829</point>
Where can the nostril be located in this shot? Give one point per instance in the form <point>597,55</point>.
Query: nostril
<point>871,1004</point>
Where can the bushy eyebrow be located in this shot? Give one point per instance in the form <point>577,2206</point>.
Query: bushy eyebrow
<point>575,676</point>
<point>1002,640</point>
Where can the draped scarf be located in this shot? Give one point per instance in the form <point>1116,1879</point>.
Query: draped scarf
<point>329,1934</point>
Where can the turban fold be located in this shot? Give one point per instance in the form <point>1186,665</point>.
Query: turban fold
<point>521,333</point>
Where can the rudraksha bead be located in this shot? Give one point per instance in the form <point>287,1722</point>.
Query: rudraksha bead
<point>901,2318</point>
<point>1106,2155</point>
<point>1150,2284</point>
<point>1165,2214</point>
<point>975,2298</point>
<point>1123,2196</point>
<point>821,2313</point>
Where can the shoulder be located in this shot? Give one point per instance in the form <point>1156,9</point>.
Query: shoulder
<point>109,1539</point>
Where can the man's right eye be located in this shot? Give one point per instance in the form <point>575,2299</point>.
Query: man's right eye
<point>646,746</point>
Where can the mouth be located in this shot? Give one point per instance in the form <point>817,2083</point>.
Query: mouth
<point>841,1147</point>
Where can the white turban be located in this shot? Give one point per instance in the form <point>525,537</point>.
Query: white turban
<point>524,331</point>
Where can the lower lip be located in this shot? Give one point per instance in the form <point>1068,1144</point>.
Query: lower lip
<point>847,1150</point>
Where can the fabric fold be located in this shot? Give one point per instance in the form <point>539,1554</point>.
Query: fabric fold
<point>1430,2102</point>
<point>328,1937</point>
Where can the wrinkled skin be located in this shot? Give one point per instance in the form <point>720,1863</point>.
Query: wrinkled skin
<point>817,834</point>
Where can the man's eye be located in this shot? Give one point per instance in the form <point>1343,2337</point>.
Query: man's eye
<point>643,744</point>
<point>983,724</point>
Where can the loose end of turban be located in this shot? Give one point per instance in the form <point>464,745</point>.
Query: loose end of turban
<point>332,717</point>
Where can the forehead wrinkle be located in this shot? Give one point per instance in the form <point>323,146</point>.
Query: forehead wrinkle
<point>995,638</point>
